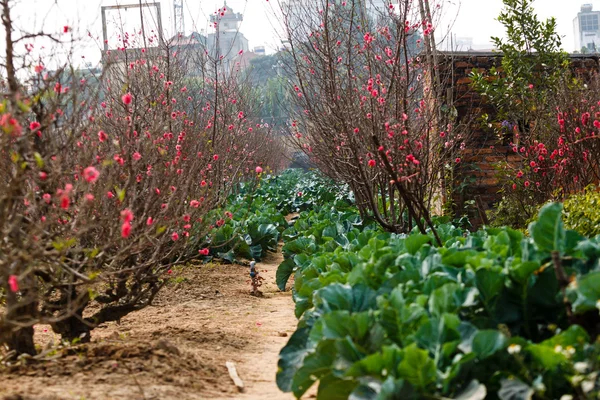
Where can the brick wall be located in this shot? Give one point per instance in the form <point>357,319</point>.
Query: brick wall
<point>476,174</point>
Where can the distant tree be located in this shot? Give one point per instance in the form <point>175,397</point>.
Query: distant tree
<point>533,66</point>
<point>262,69</point>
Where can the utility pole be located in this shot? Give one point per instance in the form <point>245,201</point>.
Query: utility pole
<point>178,17</point>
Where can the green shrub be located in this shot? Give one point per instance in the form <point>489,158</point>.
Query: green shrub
<point>581,212</point>
<point>513,211</point>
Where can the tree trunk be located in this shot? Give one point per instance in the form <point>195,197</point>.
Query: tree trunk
<point>73,328</point>
<point>19,340</point>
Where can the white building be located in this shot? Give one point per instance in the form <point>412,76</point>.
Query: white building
<point>227,42</point>
<point>587,29</point>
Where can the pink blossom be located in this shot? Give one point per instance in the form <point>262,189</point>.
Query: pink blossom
<point>127,98</point>
<point>175,236</point>
<point>13,283</point>
<point>372,163</point>
<point>137,156</point>
<point>259,170</point>
<point>127,215</point>
<point>64,201</point>
<point>149,221</point>
<point>204,252</point>
<point>125,230</point>
<point>91,174</point>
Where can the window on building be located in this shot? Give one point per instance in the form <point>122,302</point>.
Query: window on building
<point>589,22</point>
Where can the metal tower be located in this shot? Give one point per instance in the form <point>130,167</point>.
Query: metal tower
<point>178,17</point>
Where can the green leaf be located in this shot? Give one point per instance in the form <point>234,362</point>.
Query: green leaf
<point>521,271</point>
<point>284,271</point>
<point>414,243</point>
<point>256,252</point>
<point>467,334</point>
<point>333,388</point>
<point>390,389</point>
<point>301,245</point>
<point>344,297</point>
<point>120,194</point>
<point>514,389</point>
<point>457,257</point>
<point>315,366</point>
<point>265,235</point>
<point>417,367</point>
<point>546,356</point>
<point>486,343</point>
<point>548,232</point>
<point>445,299</point>
<point>381,363</point>
<point>331,231</point>
<point>38,160</point>
<point>474,391</point>
<point>436,332</point>
<point>291,358</point>
<point>586,293</point>
<point>339,324</point>
<point>574,336</point>
<point>490,284</point>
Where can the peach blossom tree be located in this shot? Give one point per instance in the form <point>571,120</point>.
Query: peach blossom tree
<point>107,179</point>
<point>369,109</point>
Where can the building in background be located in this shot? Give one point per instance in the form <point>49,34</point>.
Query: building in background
<point>227,42</point>
<point>377,8</point>
<point>587,29</point>
<point>302,16</point>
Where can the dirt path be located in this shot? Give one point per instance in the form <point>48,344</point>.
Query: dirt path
<point>175,349</point>
<point>275,323</point>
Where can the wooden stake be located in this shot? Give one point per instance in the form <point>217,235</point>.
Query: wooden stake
<point>234,375</point>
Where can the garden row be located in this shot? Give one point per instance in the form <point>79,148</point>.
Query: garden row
<point>490,314</point>
<point>254,219</point>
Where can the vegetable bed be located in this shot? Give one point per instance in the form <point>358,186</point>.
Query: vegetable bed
<point>491,314</point>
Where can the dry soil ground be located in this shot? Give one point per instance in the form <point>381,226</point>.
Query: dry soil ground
<point>176,348</point>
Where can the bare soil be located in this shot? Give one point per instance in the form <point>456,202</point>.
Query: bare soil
<point>174,349</point>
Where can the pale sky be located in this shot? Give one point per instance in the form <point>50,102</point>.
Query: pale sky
<point>469,18</point>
